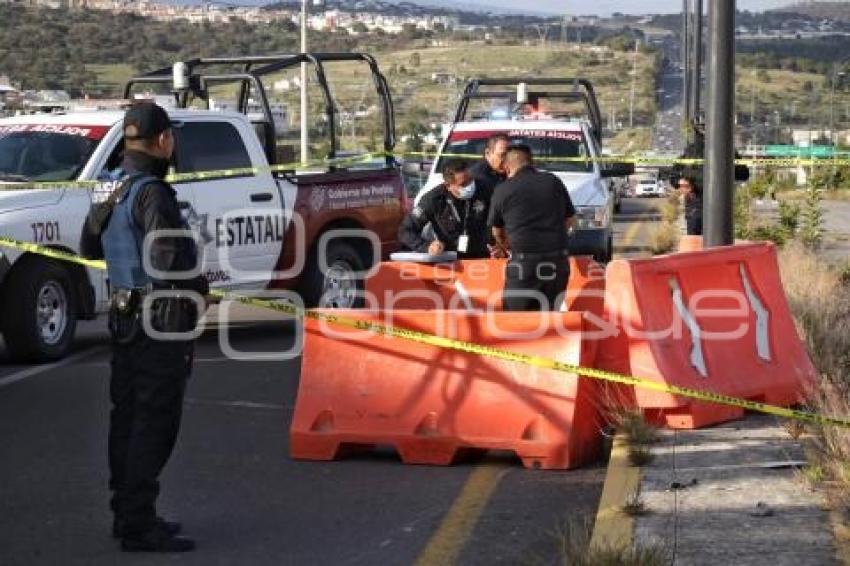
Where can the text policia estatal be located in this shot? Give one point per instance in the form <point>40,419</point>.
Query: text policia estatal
<point>248,230</point>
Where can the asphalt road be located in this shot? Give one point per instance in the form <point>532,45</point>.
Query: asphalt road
<point>234,487</point>
<point>667,135</point>
<point>836,226</point>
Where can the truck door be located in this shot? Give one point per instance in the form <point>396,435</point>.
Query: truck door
<point>237,205</point>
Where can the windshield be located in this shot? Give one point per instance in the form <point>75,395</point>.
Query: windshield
<point>39,152</point>
<point>547,146</point>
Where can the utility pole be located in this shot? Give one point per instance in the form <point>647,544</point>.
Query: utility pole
<point>686,62</point>
<point>696,56</point>
<point>305,138</point>
<point>632,93</point>
<point>835,75</point>
<point>753,133</point>
<point>719,166</point>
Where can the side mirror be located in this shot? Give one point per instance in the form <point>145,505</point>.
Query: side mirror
<point>617,169</point>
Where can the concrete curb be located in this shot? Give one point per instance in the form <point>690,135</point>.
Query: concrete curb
<point>613,528</point>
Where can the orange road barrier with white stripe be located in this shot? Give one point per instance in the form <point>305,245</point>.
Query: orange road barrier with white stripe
<point>360,389</point>
<point>716,320</point>
<point>473,284</point>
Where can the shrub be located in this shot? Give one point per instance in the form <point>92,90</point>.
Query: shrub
<point>664,238</point>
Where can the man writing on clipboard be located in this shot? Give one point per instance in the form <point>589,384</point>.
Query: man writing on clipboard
<point>452,217</point>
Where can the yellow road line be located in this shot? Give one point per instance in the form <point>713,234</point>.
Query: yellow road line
<point>613,528</point>
<point>448,541</point>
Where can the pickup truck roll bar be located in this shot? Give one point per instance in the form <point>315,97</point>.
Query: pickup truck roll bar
<point>582,91</point>
<point>255,67</point>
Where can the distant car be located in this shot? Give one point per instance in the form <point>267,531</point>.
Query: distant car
<point>649,188</point>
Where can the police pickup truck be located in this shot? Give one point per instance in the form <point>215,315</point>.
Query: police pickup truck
<point>262,227</point>
<point>559,119</point>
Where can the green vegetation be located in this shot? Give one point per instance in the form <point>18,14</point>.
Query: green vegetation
<point>94,52</point>
<point>774,99</point>
<point>51,49</point>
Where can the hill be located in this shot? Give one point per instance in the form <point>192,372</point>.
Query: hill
<point>839,11</point>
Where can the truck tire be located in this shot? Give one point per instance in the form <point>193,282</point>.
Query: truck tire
<point>39,311</point>
<point>339,287</point>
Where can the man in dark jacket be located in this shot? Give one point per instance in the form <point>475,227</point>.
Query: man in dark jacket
<point>450,217</point>
<point>489,171</point>
<point>149,372</point>
<point>530,215</point>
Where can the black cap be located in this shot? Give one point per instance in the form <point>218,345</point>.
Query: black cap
<point>144,120</point>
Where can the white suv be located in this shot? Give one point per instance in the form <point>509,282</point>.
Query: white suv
<point>649,188</point>
<point>567,146</point>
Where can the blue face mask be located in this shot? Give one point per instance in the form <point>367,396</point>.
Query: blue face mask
<point>467,192</point>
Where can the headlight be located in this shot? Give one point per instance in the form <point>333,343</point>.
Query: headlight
<point>590,217</point>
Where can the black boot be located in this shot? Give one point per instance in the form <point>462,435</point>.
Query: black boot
<point>157,539</point>
<point>171,527</point>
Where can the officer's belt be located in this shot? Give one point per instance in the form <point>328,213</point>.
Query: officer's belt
<point>539,256</point>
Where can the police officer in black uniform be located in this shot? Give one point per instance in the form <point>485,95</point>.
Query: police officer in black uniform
<point>450,217</point>
<point>530,215</point>
<point>489,171</point>
<point>149,373</point>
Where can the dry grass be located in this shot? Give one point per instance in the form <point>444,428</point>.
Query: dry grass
<point>819,298</point>
<point>640,455</point>
<point>634,426</point>
<point>671,208</point>
<point>664,238</point>
<point>574,548</point>
<point>634,505</point>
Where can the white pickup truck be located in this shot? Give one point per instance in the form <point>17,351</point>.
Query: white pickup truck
<point>260,229</point>
<point>563,130</point>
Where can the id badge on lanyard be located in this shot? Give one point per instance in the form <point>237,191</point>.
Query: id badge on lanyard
<point>463,239</point>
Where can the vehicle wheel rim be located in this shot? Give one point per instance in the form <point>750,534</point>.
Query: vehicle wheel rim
<point>340,287</point>
<point>52,312</point>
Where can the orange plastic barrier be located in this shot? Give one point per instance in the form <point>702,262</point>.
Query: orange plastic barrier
<point>690,243</point>
<point>431,403</point>
<point>715,320</point>
<point>694,243</point>
<point>473,284</point>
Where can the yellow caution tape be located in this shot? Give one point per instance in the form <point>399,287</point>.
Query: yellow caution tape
<point>205,175</point>
<point>659,160</point>
<point>468,347</point>
<point>367,157</point>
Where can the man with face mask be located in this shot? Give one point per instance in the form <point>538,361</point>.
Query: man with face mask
<point>149,371</point>
<point>450,217</point>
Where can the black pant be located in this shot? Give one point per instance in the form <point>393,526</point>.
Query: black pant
<point>535,284</point>
<point>147,387</point>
